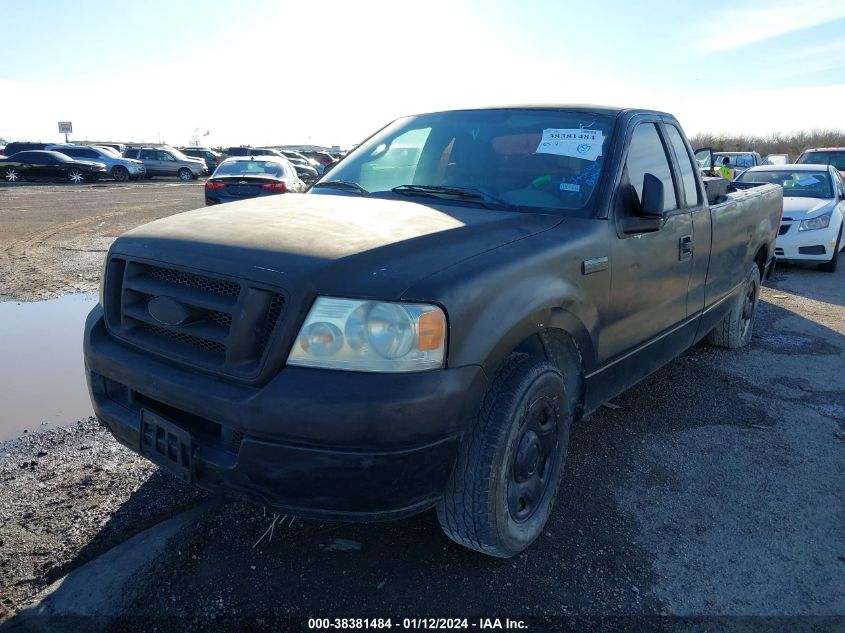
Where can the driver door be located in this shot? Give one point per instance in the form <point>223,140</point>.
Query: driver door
<point>650,269</point>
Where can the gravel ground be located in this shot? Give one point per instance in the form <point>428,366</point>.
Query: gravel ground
<point>55,236</point>
<point>712,490</point>
<point>66,496</point>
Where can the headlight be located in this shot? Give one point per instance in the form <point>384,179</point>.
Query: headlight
<point>820,222</point>
<point>378,336</point>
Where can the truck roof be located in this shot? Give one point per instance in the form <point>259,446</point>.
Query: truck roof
<point>604,109</point>
<point>824,149</point>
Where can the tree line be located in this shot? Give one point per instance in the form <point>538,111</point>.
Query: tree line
<point>792,143</point>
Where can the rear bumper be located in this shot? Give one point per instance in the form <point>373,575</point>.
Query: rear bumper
<point>312,443</point>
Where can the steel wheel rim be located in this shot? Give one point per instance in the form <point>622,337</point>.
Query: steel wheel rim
<point>534,461</point>
<point>748,308</point>
<point>75,177</point>
<point>185,174</point>
<point>120,175</point>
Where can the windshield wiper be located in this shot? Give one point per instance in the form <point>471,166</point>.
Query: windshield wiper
<point>464,193</point>
<point>342,184</point>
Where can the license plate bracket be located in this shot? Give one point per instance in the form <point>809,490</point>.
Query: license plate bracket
<point>167,445</point>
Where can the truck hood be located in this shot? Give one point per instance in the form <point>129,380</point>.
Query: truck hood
<point>331,244</point>
<point>800,208</point>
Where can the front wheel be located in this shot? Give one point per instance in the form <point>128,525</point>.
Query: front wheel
<point>120,173</point>
<point>185,174</point>
<point>737,326</point>
<point>75,176</point>
<point>10,174</point>
<point>504,483</point>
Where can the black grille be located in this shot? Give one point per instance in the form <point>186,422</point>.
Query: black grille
<point>784,228</point>
<point>200,282</point>
<point>819,249</point>
<point>185,339</point>
<point>201,329</point>
<point>273,314</point>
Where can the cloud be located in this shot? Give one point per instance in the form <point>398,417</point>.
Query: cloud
<point>758,21</point>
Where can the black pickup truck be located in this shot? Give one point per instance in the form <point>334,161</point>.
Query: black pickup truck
<point>422,328</point>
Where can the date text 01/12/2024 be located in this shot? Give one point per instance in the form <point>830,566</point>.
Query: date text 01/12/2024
<point>432,624</point>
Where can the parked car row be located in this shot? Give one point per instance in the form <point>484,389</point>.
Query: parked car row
<point>124,164</point>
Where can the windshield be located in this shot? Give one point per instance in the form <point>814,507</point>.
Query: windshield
<point>537,160</point>
<point>251,168</point>
<point>796,184</point>
<point>109,150</point>
<point>58,155</point>
<point>179,155</point>
<point>837,159</point>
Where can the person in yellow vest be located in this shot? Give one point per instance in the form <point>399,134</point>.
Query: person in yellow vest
<point>726,171</point>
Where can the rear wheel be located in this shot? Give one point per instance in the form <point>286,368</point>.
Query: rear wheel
<point>10,174</point>
<point>75,176</point>
<point>830,267</point>
<point>502,489</point>
<point>185,174</point>
<point>736,328</point>
<point>120,173</point>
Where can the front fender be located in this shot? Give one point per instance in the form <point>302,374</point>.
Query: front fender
<point>524,310</point>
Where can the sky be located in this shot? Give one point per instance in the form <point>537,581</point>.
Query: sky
<point>271,72</point>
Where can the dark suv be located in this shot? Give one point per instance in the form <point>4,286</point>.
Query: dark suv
<point>14,148</point>
<point>211,158</point>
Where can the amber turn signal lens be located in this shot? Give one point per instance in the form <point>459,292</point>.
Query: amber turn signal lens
<point>432,330</point>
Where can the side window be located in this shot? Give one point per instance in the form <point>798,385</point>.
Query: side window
<point>837,159</point>
<point>149,154</point>
<point>685,165</point>
<point>646,155</point>
<point>165,156</point>
<point>838,184</point>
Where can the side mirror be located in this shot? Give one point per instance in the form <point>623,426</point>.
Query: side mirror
<point>653,196</point>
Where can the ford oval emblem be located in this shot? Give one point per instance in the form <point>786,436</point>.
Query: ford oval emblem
<point>168,311</point>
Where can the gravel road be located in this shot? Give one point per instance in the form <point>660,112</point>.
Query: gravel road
<point>714,489</point>
<point>54,237</point>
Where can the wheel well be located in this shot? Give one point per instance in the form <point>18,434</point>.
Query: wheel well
<point>561,349</point>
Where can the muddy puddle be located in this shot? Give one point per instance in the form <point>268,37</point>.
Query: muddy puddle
<point>42,380</point>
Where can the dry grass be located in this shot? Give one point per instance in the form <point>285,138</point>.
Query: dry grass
<point>775,143</point>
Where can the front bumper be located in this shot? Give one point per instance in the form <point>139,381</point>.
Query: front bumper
<point>312,443</point>
<point>795,245</point>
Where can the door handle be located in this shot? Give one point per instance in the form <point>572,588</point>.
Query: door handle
<point>685,248</point>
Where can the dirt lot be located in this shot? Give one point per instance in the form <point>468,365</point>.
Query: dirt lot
<point>54,237</point>
<point>714,489</point>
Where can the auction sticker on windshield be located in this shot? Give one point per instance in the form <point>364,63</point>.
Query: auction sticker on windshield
<point>575,142</point>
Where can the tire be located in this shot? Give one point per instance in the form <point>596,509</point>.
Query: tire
<point>830,267</point>
<point>10,174</point>
<point>737,326</point>
<point>185,174</point>
<point>503,486</point>
<point>75,176</point>
<point>120,173</point>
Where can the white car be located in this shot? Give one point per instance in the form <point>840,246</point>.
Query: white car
<point>811,229</point>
